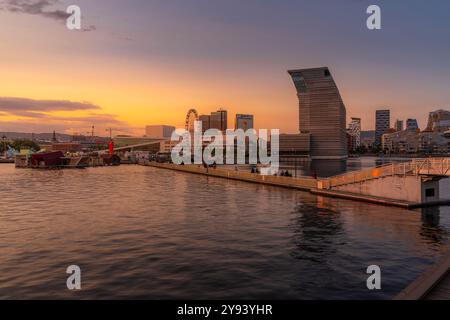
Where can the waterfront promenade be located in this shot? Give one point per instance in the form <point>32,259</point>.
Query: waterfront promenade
<point>304,183</point>
<point>327,187</point>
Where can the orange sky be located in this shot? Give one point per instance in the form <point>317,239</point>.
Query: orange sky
<point>151,69</point>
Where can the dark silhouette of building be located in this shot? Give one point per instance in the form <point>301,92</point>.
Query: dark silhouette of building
<point>219,120</point>
<point>382,125</point>
<point>322,112</point>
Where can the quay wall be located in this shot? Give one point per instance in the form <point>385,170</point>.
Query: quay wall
<point>444,188</point>
<point>407,188</point>
<point>305,184</point>
<point>401,191</point>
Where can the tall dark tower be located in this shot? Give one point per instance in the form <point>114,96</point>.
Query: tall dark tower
<point>321,112</point>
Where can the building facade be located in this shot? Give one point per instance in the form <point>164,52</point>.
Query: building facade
<point>219,120</point>
<point>399,125</point>
<point>295,144</point>
<point>354,129</point>
<point>438,121</point>
<point>416,142</point>
<point>412,124</point>
<point>206,122</point>
<point>382,124</point>
<point>244,122</point>
<point>159,132</point>
<point>322,112</point>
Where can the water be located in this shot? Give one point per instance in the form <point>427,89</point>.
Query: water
<point>140,232</point>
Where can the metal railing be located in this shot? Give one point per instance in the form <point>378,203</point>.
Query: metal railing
<point>431,166</point>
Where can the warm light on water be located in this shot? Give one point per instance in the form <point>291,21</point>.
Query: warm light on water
<point>141,232</point>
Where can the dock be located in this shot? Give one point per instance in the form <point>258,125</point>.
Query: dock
<point>433,284</point>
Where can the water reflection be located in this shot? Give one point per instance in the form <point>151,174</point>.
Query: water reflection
<point>315,229</point>
<point>431,228</point>
<point>140,232</point>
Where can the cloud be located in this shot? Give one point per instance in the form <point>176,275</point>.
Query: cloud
<point>36,116</point>
<point>35,7</point>
<point>16,106</point>
<point>43,8</point>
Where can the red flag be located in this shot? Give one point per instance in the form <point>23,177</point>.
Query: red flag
<point>111,147</point>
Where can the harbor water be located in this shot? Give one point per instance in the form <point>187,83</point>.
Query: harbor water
<point>146,233</point>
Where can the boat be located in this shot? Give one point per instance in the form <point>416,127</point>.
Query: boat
<point>110,159</point>
<point>78,162</point>
<point>49,160</point>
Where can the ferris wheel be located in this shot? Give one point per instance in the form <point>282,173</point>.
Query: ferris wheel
<point>191,117</point>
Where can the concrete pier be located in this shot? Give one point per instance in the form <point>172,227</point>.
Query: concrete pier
<point>383,192</point>
<point>304,184</point>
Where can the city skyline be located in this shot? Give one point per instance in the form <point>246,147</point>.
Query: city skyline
<point>121,75</point>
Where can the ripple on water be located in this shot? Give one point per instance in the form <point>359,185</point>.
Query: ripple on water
<point>140,232</point>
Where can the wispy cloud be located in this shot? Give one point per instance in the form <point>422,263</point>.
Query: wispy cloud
<point>14,105</point>
<point>38,116</point>
<point>35,7</point>
<point>43,8</point>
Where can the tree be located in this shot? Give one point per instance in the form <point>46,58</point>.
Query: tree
<point>4,146</point>
<point>25,144</point>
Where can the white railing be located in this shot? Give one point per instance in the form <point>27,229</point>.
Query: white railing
<point>431,166</point>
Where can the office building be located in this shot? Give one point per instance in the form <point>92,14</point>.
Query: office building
<point>367,139</point>
<point>399,125</point>
<point>244,122</point>
<point>219,120</point>
<point>438,121</point>
<point>159,132</point>
<point>354,129</point>
<point>411,124</point>
<point>413,141</point>
<point>206,122</point>
<point>322,113</point>
<point>382,125</point>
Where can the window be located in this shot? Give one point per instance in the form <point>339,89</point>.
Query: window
<point>327,73</point>
<point>429,193</point>
<point>300,83</point>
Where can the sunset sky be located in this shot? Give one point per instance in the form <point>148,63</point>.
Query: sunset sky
<point>142,62</point>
